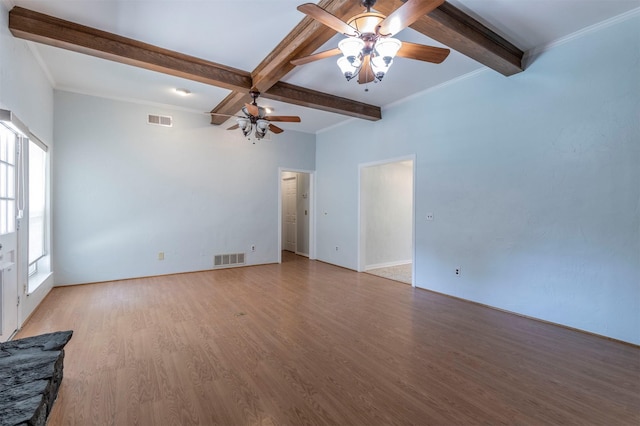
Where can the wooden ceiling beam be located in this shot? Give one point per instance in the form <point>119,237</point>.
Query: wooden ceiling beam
<point>297,95</point>
<point>45,29</point>
<point>459,31</point>
<point>303,40</point>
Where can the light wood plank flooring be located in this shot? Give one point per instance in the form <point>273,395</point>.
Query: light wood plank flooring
<point>309,343</point>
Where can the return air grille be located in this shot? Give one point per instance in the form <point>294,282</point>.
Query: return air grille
<point>228,259</point>
<point>160,120</point>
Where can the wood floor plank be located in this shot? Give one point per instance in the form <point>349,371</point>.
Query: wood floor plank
<point>305,342</point>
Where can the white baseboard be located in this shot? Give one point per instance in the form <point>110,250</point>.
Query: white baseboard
<point>387,264</point>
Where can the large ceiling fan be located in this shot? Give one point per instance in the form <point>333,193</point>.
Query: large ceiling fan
<point>256,118</point>
<point>369,48</point>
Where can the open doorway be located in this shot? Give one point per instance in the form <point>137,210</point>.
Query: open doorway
<point>296,213</point>
<point>387,219</point>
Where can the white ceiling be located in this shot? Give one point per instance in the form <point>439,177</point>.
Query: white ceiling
<point>240,33</point>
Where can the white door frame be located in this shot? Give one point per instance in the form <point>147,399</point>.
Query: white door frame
<point>361,234</point>
<point>312,210</point>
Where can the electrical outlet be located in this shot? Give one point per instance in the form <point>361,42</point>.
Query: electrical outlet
<point>458,270</point>
<point>161,255</point>
<point>337,248</point>
<point>253,247</point>
<point>429,216</point>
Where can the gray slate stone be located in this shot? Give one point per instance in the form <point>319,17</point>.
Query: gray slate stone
<point>30,376</point>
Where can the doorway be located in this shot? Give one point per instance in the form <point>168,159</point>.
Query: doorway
<point>296,231</point>
<point>386,244</point>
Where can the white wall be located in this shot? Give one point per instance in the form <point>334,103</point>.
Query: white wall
<point>126,190</point>
<point>26,91</point>
<point>386,203</point>
<point>303,208</point>
<point>533,181</point>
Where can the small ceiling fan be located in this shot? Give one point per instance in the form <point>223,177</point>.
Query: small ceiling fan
<point>369,48</point>
<point>255,117</point>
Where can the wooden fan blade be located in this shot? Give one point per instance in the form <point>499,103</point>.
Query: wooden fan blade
<point>366,73</point>
<point>235,126</point>
<point>283,118</point>
<point>331,21</point>
<point>421,52</point>
<point>316,56</point>
<point>252,109</point>
<point>275,129</point>
<point>406,15</point>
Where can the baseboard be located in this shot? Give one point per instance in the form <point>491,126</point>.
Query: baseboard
<point>387,264</point>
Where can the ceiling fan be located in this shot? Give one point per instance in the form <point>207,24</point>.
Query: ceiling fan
<point>369,48</point>
<point>255,117</point>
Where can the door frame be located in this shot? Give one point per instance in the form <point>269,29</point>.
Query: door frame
<point>361,234</point>
<point>312,210</point>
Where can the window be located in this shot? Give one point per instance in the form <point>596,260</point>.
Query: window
<point>7,181</point>
<point>37,206</point>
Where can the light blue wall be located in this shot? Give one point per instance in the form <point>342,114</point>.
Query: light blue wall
<point>126,190</point>
<point>534,182</point>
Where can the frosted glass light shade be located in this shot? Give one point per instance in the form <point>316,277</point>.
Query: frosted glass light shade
<point>347,68</point>
<point>380,66</point>
<point>366,22</point>
<point>351,48</point>
<point>387,48</point>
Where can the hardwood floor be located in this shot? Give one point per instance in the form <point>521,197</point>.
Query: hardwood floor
<point>309,343</point>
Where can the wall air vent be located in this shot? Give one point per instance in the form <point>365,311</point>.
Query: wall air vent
<point>160,120</point>
<point>232,259</point>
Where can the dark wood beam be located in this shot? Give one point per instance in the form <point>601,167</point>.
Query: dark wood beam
<point>303,40</point>
<point>52,31</point>
<point>45,29</point>
<point>459,31</point>
<point>297,95</point>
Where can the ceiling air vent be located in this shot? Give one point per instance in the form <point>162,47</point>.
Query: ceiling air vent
<point>160,120</point>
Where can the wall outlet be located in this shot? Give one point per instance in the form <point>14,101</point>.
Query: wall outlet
<point>253,247</point>
<point>161,255</point>
<point>337,248</point>
<point>429,216</point>
<point>458,270</point>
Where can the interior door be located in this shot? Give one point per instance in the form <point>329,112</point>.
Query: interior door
<point>289,189</point>
<point>8,233</point>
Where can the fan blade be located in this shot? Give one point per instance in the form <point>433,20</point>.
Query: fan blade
<point>283,118</point>
<point>366,73</point>
<point>421,52</point>
<point>275,129</point>
<point>406,15</point>
<point>252,109</point>
<point>316,56</point>
<point>235,126</point>
<point>331,21</point>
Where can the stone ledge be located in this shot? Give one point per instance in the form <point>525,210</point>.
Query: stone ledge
<point>30,376</point>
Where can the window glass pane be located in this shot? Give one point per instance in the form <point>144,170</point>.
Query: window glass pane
<point>11,147</point>
<point>3,216</point>
<point>3,143</point>
<point>3,179</point>
<point>37,202</point>
<point>11,184</point>
<point>11,215</point>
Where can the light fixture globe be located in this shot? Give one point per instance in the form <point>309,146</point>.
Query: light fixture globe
<point>351,48</point>
<point>367,22</point>
<point>262,126</point>
<point>387,48</point>
<point>244,124</point>
<point>347,68</point>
